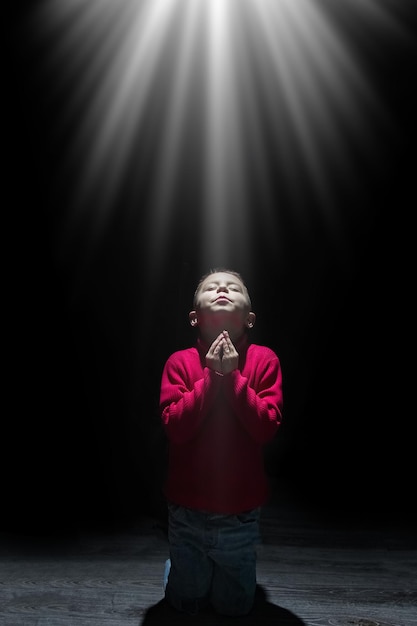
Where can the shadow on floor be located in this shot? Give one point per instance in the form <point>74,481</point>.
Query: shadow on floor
<point>264,613</point>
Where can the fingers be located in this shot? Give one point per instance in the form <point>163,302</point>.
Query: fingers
<point>217,342</point>
<point>228,346</point>
<point>217,346</point>
<point>215,354</point>
<point>230,360</point>
<point>222,344</point>
<point>222,355</point>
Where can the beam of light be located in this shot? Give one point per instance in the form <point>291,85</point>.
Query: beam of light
<point>178,116</point>
<point>235,95</point>
<point>225,193</point>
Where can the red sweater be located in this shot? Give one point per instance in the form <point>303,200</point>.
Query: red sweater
<point>217,425</point>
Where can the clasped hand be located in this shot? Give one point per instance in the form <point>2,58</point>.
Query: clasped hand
<point>222,356</point>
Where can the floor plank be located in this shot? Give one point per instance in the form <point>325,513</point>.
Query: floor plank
<point>308,575</point>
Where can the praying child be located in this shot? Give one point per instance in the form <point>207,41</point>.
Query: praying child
<point>220,402</point>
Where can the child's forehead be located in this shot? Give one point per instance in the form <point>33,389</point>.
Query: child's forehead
<point>218,277</point>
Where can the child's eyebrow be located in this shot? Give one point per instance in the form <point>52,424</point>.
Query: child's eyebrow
<point>228,283</point>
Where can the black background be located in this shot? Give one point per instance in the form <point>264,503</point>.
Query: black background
<point>86,342</point>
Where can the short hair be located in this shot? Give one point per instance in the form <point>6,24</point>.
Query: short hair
<point>224,270</point>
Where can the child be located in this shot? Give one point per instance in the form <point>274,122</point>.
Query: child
<point>220,401</point>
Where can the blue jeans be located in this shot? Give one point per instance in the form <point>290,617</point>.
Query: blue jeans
<point>212,560</point>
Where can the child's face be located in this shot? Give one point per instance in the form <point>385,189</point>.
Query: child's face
<point>223,301</point>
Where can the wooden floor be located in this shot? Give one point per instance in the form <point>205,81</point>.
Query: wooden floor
<point>311,572</point>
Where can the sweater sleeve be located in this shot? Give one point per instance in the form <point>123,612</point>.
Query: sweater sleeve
<point>184,400</point>
<point>258,406</point>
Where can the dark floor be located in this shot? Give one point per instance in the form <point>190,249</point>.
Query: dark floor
<point>313,570</point>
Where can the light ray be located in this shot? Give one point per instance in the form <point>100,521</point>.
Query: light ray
<point>173,140</point>
<point>225,212</point>
<point>186,83</point>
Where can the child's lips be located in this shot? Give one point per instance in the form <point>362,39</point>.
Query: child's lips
<point>222,298</point>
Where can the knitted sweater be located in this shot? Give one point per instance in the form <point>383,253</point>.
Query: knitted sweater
<point>217,426</point>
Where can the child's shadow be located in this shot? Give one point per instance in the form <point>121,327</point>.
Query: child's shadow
<point>264,613</point>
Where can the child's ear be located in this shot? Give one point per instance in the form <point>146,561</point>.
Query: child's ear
<point>192,316</point>
<point>250,320</point>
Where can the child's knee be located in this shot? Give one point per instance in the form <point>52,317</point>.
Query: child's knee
<point>238,607</point>
<point>230,610</point>
<point>191,606</point>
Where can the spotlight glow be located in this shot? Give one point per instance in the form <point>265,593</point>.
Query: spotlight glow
<point>253,94</point>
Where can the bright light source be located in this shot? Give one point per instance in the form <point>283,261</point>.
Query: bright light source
<point>238,95</point>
